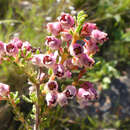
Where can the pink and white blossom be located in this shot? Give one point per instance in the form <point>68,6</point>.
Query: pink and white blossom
<point>70,91</point>
<point>66,20</point>
<point>99,36</point>
<point>54,28</point>
<point>11,49</point>
<point>51,99</point>
<point>59,71</point>
<point>62,99</point>
<point>26,45</point>
<point>76,50</point>
<point>4,89</point>
<point>51,86</point>
<point>87,29</point>
<point>17,42</point>
<point>86,61</point>
<point>49,61</point>
<point>53,42</point>
<point>66,36</point>
<point>38,60</point>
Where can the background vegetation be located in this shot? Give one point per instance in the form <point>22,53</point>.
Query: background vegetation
<point>27,20</point>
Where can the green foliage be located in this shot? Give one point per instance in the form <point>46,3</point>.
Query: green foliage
<point>103,72</point>
<point>29,23</point>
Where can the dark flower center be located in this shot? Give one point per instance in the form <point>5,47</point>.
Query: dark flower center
<point>53,101</point>
<point>78,50</point>
<point>10,48</point>
<point>47,59</point>
<point>49,39</point>
<point>68,94</point>
<point>59,74</point>
<point>63,18</point>
<point>52,86</point>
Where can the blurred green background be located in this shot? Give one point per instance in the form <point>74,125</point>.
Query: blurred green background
<point>27,19</point>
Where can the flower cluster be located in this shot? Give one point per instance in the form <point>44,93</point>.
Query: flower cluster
<point>70,46</point>
<point>68,51</point>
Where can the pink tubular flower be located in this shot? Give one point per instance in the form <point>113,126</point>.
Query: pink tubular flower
<point>62,99</point>
<point>51,86</point>
<point>38,59</point>
<point>2,48</point>
<point>11,49</point>
<point>91,47</point>
<point>53,42</point>
<point>86,61</point>
<point>4,89</point>
<point>87,86</point>
<point>65,36</point>
<point>17,42</point>
<point>51,99</point>
<point>76,50</point>
<point>87,29</point>
<point>49,61</point>
<point>70,91</point>
<point>54,28</point>
<point>66,20</point>
<point>59,71</point>
<point>26,45</point>
<point>83,94</point>
<point>99,36</point>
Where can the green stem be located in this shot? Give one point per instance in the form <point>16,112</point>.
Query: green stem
<point>36,126</point>
<point>19,114</point>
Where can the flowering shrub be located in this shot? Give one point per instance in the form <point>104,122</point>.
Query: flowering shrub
<point>70,47</point>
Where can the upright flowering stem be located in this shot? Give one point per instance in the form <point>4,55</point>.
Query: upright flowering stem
<point>70,47</point>
<point>36,126</point>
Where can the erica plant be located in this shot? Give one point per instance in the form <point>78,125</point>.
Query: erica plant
<point>70,47</point>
